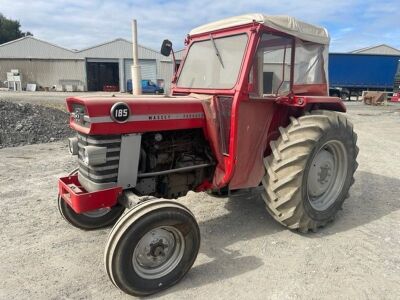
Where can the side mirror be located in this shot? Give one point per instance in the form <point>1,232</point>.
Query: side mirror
<point>166,48</point>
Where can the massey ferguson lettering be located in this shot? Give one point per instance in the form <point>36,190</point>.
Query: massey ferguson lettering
<point>176,116</point>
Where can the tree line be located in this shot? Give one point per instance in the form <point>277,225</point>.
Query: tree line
<point>10,30</point>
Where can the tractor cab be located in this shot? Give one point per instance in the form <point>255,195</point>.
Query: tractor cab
<point>246,70</point>
<point>260,56</point>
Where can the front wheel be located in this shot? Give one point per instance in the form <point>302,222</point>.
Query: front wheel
<point>310,171</point>
<point>90,220</point>
<point>152,247</point>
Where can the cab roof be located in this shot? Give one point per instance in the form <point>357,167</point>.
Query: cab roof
<point>286,24</point>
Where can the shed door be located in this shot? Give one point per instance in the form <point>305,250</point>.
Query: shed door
<point>148,69</point>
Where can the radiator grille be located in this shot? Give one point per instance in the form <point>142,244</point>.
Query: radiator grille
<point>104,173</point>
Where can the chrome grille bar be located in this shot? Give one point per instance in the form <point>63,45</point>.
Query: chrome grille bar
<point>104,173</point>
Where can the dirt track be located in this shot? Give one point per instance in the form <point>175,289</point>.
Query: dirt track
<point>245,254</point>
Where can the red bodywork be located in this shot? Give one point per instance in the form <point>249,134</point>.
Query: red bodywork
<point>71,191</point>
<point>395,97</point>
<point>151,114</point>
<point>253,122</point>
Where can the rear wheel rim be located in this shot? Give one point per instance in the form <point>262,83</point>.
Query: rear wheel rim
<point>158,252</point>
<point>327,175</point>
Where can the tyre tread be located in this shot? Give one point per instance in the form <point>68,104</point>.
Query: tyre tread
<point>282,194</point>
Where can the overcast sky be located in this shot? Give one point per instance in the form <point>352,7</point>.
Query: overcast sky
<point>77,24</point>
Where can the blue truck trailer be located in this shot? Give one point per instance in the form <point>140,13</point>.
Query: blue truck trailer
<point>351,73</point>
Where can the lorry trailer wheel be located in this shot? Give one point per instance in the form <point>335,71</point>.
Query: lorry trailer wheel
<point>152,247</point>
<point>310,171</point>
<point>90,220</point>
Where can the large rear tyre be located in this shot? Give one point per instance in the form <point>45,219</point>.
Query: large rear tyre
<point>310,171</point>
<point>152,247</point>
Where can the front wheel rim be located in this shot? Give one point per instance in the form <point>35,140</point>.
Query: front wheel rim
<point>97,213</point>
<point>158,252</point>
<point>327,175</point>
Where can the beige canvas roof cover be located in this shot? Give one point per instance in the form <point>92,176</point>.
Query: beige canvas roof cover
<point>286,24</point>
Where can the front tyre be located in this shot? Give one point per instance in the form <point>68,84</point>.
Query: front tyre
<point>310,171</point>
<point>152,247</point>
<point>90,220</point>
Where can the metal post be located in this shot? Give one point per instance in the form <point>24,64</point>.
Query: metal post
<point>122,81</point>
<point>136,77</point>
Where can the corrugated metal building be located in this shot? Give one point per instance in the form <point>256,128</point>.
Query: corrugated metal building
<point>378,49</point>
<point>41,62</point>
<point>109,63</point>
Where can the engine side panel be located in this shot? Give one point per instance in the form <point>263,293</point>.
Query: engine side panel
<point>173,150</point>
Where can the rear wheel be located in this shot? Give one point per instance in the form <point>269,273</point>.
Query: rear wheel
<point>152,247</point>
<point>310,171</point>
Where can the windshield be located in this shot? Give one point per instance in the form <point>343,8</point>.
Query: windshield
<point>213,63</point>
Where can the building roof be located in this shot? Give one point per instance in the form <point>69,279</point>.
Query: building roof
<point>378,49</point>
<point>30,47</point>
<point>179,54</point>
<point>284,24</point>
<point>118,48</point>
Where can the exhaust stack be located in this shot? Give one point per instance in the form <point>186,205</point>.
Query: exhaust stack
<point>136,76</point>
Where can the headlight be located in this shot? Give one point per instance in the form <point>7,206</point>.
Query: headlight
<point>93,155</point>
<point>73,145</point>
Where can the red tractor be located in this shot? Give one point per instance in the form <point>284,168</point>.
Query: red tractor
<point>249,108</point>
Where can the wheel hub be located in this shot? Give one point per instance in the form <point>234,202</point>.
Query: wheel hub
<point>320,174</point>
<point>326,175</point>
<point>158,251</point>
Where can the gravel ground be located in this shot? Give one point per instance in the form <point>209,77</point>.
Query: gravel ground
<point>24,123</point>
<point>35,117</point>
<point>244,254</point>
<point>49,99</point>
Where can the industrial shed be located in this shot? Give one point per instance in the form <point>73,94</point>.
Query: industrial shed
<point>41,62</point>
<point>381,49</point>
<point>88,69</point>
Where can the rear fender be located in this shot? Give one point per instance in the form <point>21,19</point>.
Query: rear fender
<point>307,103</point>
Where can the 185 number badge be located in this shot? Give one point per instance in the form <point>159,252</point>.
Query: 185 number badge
<point>120,112</point>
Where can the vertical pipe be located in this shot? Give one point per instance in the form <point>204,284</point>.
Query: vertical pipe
<point>136,77</point>
<point>121,71</point>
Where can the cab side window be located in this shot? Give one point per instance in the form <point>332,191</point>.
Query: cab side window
<point>270,73</point>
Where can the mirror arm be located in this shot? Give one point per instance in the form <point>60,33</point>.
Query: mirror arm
<point>174,65</point>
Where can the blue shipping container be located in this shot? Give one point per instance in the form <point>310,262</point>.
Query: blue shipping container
<point>362,70</point>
